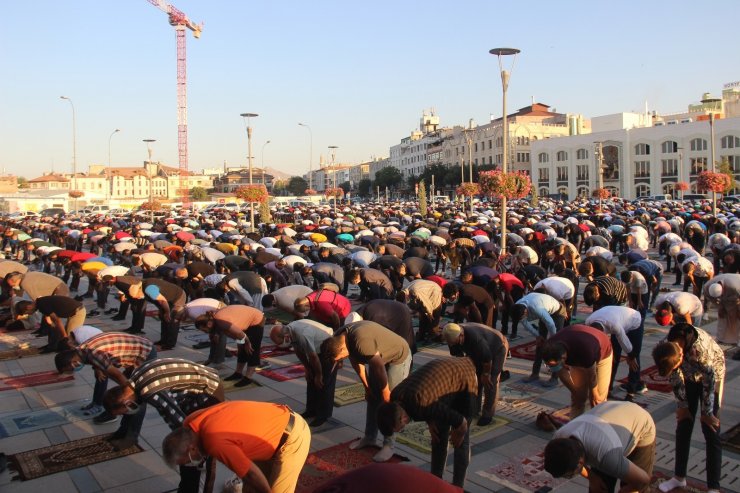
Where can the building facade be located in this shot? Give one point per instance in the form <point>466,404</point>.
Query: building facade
<point>636,161</point>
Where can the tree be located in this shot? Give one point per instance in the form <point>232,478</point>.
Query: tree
<point>423,199</point>
<point>724,167</point>
<point>389,177</point>
<point>297,185</point>
<point>363,187</point>
<point>154,205</point>
<point>345,186</point>
<point>198,194</point>
<point>22,182</point>
<point>264,212</point>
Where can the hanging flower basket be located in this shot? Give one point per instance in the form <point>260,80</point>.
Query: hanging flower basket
<point>709,181</point>
<point>76,194</point>
<point>334,192</point>
<point>682,186</point>
<point>468,189</point>
<point>252,193</point>
<point>497,184</point>
<point>310,191</point>
<point>601,193</point>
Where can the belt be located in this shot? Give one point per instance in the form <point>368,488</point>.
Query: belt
<point>286,433</point>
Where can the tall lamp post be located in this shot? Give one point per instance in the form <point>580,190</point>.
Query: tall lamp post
<point>74,149</point>
<point>505,74</point>
<point>263,159</point>
<point>470,162</point>
<point>149,172</point>
<point>714,164</point>
<point>600,168</point>
<point>333,150</point>
<point>109,185</point>
<point>680,168</point>
<point>310,155</point>
<point>247,117</point>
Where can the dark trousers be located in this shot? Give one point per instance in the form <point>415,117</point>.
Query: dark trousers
<point>103,289</point>
<point>217,351</point>
<point>516,294</point>
<point>559,320</point>
<point>461,457</point>
<point>99,391</point>
<point>683,437</point>
<point>429,324</point>
<point>320,402</point>
<point>642,457</point>
<point>190,477</point>
<point>138,312</point>
<point>635,338</point>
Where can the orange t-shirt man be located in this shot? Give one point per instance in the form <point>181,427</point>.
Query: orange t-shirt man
<point>239,432</point>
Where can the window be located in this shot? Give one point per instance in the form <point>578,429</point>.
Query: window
<point>490,146</point>
<point>642,150</point>
<point>561,156</point>
<point>582,192</point>
<point>734,163</point>
<point>669,167</point>
<point>543,157</point>
<point>562,173</point>
<point>544,174</point>
<point>582,172</point>
<point>581,154</point>
<point>642,169</point>
<point>730,142</point>
<point>698,144</point>
<point>522,141</point>
<point>698,164</point>
<point>499,141</point>
<point>544,192</point>
<point>642,189</point>
<point>522,157</point>
<point>476,147</point>
<point>563,191</point>
<point>669,147</point>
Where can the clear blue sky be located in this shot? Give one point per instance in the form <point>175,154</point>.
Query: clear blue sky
<point>359,73</point>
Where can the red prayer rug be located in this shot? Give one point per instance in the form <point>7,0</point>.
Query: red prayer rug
<point>524,351</point>
<point>330,462</point>
<point>284,373</point>
<point>524,473</point>
<point>273,351</point>
<point>653,381</point>
<point>33,379</point>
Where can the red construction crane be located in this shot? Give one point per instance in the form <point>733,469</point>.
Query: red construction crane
<point>180,21</point>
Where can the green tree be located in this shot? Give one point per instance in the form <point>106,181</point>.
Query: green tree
<point>346,187</point>
<point>297,185</point>
<point>724,167</point>
<point>423,199</point>
<point>22,182</point>
<point>389,177</point>
<point>198,194</point>
<point>363,187</point>
<point>264,212</point>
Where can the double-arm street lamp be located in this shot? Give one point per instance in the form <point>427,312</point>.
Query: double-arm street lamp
<point>505,75</point>
<point>74,150</point>
<point>333,151</point>
<point>310,155</point>
<point>247,117</point>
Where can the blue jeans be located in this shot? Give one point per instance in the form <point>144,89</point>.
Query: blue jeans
<point>396,374</point>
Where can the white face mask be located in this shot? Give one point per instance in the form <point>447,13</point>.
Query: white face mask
<point>200,464</point>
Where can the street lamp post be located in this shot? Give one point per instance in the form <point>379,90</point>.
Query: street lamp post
<point>247,117</point>
<point>263,159</point>
<point>470,165</point>
<point>310,155</point>
<point>109,185</point>
<point>333,150</point>
<point>505,75</point>
<point>149,172</point>
<point>74,149</point>
<point>714,164</point>
<point>680,168</point>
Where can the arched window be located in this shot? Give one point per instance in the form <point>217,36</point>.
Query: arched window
<point>562,156</point>
<point>642,190</point>
<point>669,189</point>
<point>544,192</point>
<point>542,157</point>
<point>669,147</point>
<point>614,191</point>
<point>698,144</point>
<point>642,150</point>
<point>730,142</point>
<point>582,191</point>
<point>582,154</point>
<point>563,191</point>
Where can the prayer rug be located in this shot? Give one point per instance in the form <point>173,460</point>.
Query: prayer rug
<point>344,396</point>
<point>33,379</point>
<point>561,416</point>
<point>416,434</point>
<point>273,351</point>
<point>516,392</point>
<point>65,456</point>
<point>652,380</point>
<point>198,337</point>
<point>731,439</point>
<point>285,373</point>
<point>524,473</point>
<point>692,485</point>
<point>331,462</point>
<point>524,351</point>
<point>21,352</point>
<point>278,315</point>
<point>29,421</point>
<point>229,385</point>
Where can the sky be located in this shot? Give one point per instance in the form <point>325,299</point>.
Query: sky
<point>360,74</point>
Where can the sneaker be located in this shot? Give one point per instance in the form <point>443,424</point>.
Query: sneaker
<point>243,382</point>
<point>92,410</point>
<point>118,318</point>
<point>93,313</point>
<point>641,389</point>
<point>233,376</point>
<point>485,420</point>
<point>104,417</point>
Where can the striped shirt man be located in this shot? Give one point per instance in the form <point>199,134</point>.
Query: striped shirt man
<point>115,349</point>
<point>612,291</point>
<point>176,387</point>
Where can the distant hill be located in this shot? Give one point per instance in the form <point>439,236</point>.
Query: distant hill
<point>278,174</point>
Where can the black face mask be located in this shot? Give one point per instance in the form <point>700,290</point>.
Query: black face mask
<point>457,350</point>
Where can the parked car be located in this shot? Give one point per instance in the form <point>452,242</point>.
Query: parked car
<point>52,211</point>
<point>694,197</point>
